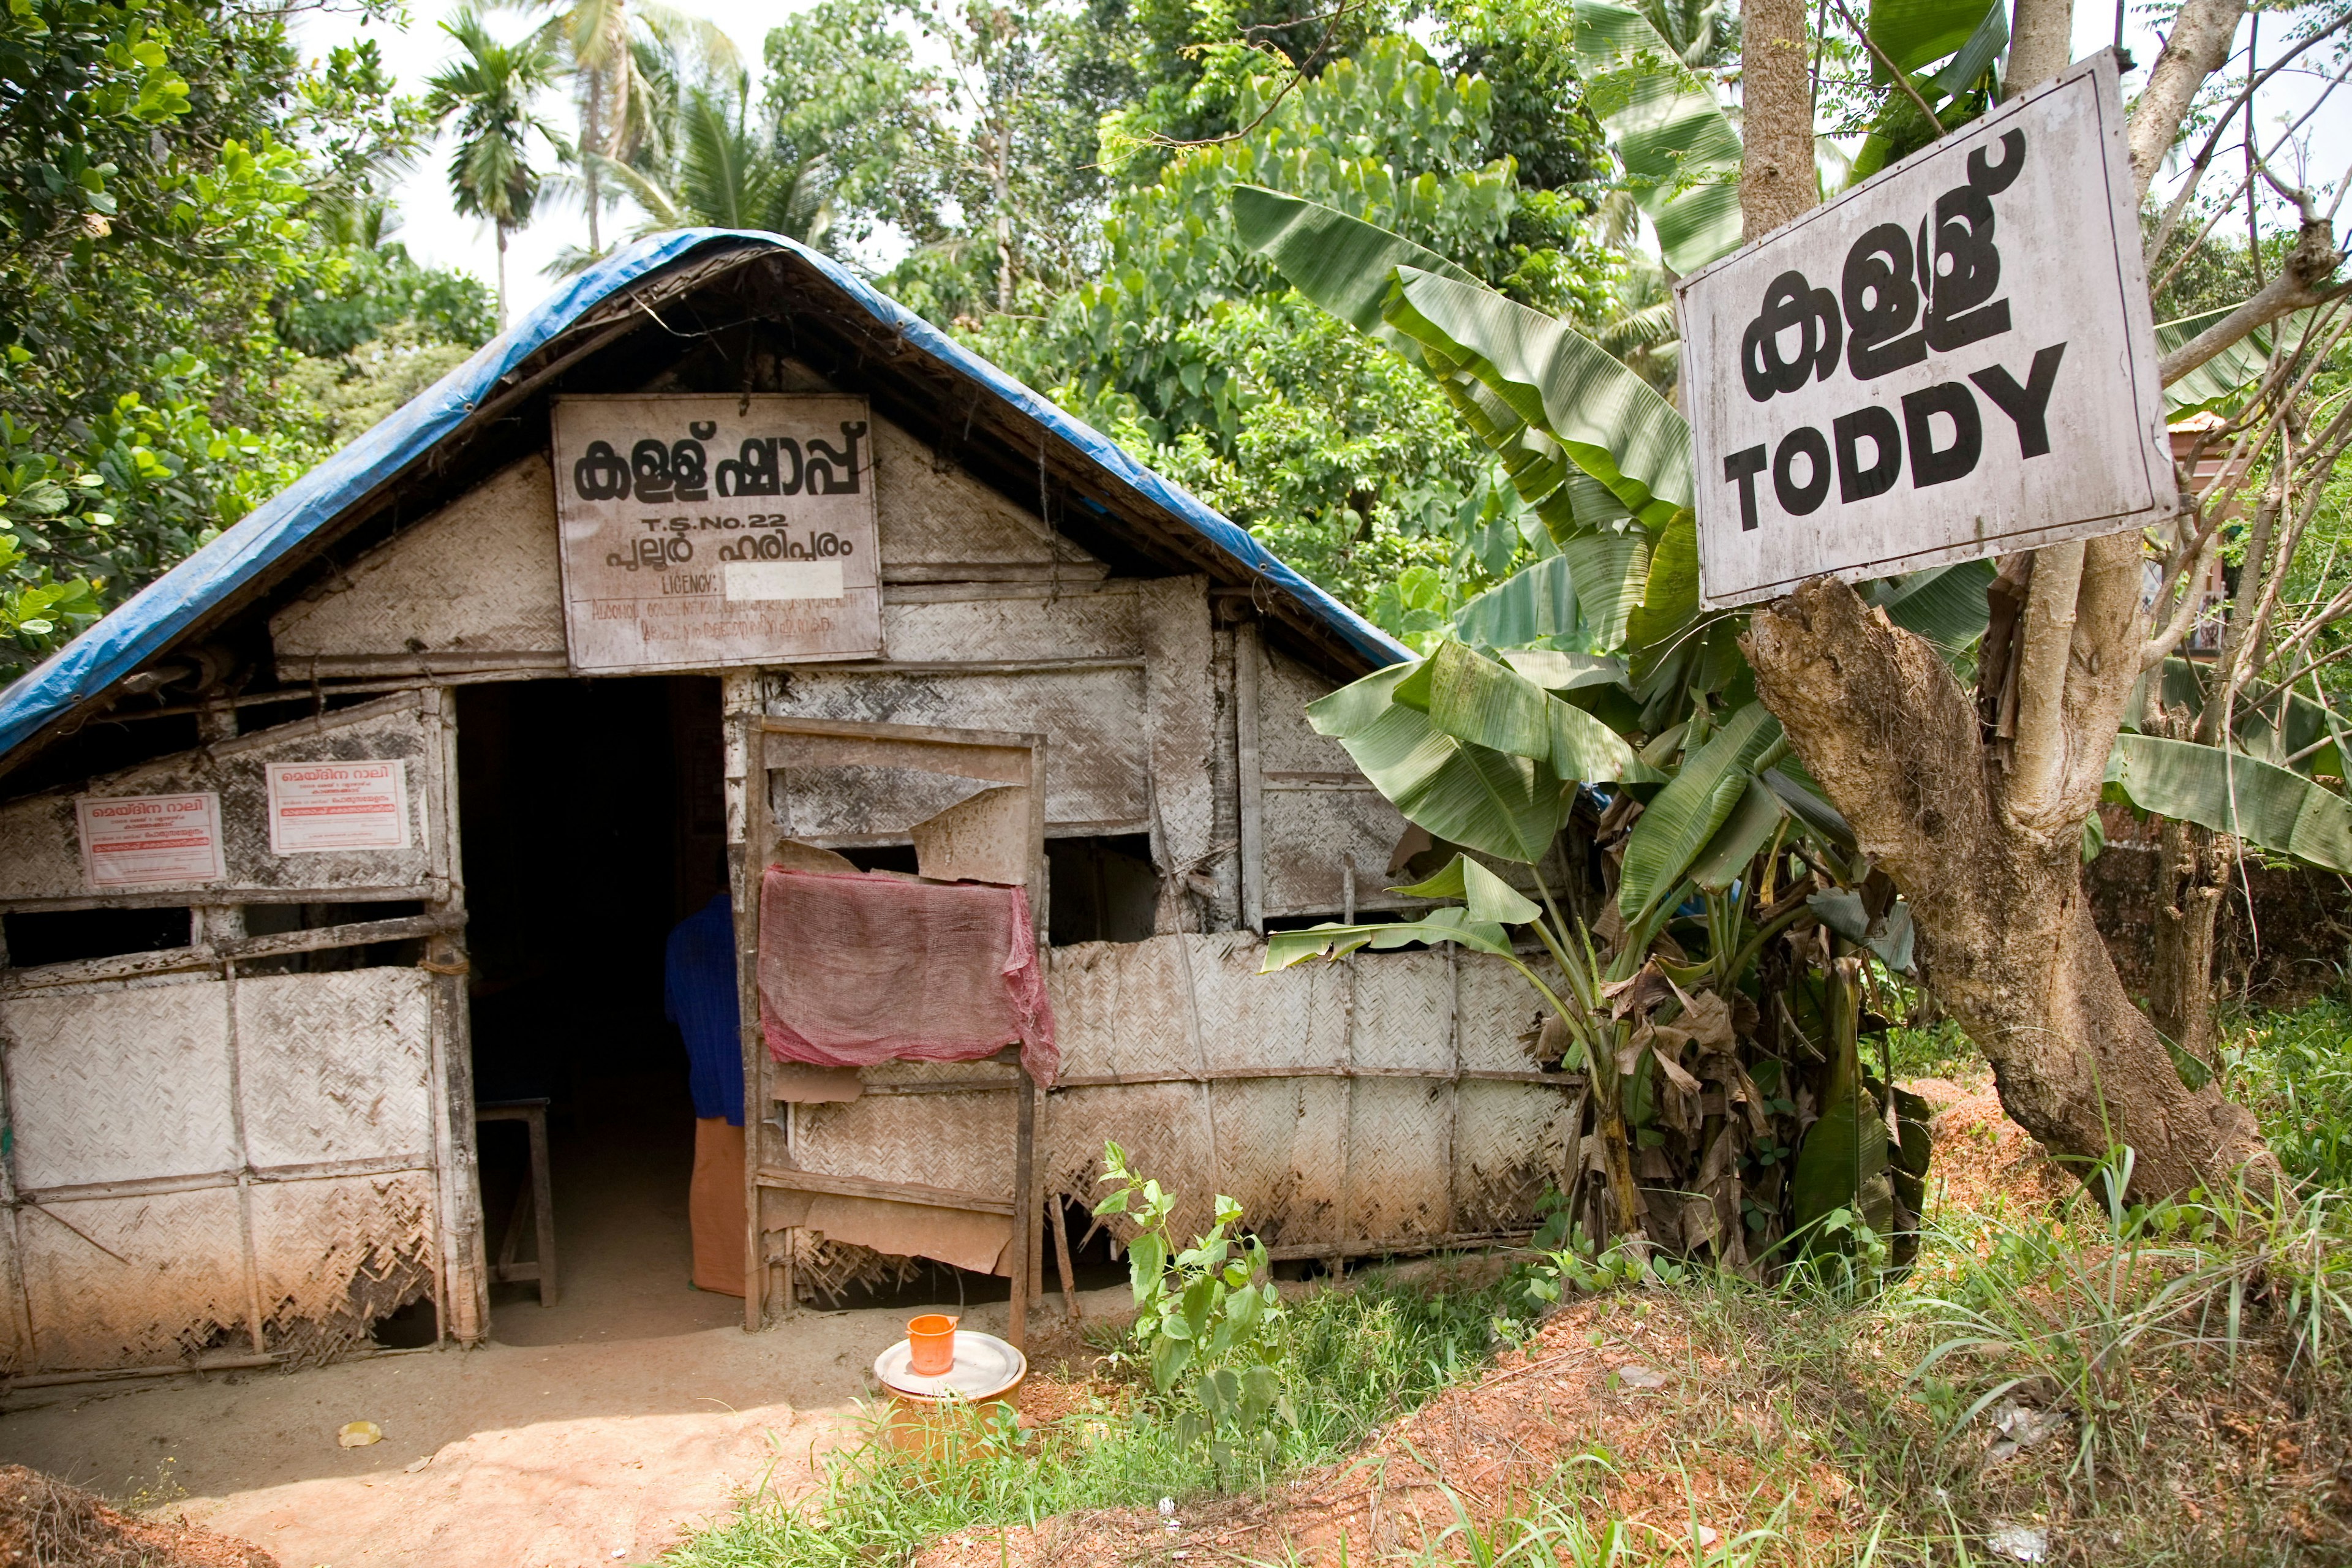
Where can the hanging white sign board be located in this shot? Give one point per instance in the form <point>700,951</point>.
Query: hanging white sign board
<point>320,807</point>
<point>1953,360</point>
<point>704,532</point>
<point>148,840</point>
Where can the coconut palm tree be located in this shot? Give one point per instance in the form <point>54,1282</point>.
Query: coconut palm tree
<point>724,172</point>
<point>488,90</point>
<point>602,46</point>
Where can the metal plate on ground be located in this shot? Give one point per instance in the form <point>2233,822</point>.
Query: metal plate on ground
<point>984,1366</point>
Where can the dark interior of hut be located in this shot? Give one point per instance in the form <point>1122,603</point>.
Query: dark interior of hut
<point>592,820</point>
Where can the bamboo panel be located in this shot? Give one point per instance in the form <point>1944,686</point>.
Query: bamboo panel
<point>1309,833</point>
<point>1163,1126</point>
<point>1510,1142</point>
<point>1092,718</point>
<point>337,1065</point>
<point>474,586</point>
<point>332,1256</point>
<point>1405,1010</point>
<point>139,1281</point>
<point>1499,1013</point>
<point>121,1085</point>
<point>1282,1152</point>
<point>927,511</point>
<point>1295,1017</point>
<point>1094,624</point>
<point>960,1142</point>
<point>1400,1136</point>
<point>1121,1008</point>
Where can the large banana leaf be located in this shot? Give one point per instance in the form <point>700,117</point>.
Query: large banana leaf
<point>1487,898</point>
<point>1348,268</point>
<point>1284,948</point>
<point>1680,154</point>
<point>1341,263</point>
<point>1842,1163</point>
<point>1610,570</point>
<point>1536,603</point>
<point>2229,791</point>
<point>1743,833</point>
<point>1609,420</point>
<point>1685,816</point>
<point>1505,806</point>
<point>1945,604</point>
<point>2275,729</point>
<point>1491,706</point>
<point>1558,671</point>
<point>1670,589</point>
<point>1914,33</point>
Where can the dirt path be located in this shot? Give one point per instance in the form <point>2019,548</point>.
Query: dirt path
<point>507,1457</point>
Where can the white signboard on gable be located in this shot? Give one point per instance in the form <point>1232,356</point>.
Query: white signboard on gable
<point>1952,360</point>
<point>701,532</point>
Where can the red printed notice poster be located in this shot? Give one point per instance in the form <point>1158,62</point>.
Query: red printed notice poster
<point>144,841</point>
<point>337,805</point>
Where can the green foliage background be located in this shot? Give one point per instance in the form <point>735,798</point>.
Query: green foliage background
<point>198,294</point>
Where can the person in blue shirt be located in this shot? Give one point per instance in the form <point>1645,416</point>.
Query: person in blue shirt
<point>698,996</point>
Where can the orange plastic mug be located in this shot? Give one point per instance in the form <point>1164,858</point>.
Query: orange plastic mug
<point>930,1340</point>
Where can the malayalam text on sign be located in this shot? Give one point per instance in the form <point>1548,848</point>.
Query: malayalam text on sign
<point>149,840</point>
<point>702,531</point>
<point>317,806</point>
<point>1954,360</point>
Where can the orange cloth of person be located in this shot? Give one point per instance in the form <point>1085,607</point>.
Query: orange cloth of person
<point>861,969</point>
<point>715,1207</point>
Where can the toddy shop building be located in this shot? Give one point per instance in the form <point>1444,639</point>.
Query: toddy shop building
<point>339,868</point>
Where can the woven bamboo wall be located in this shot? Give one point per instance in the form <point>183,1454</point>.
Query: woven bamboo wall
<point>216,1165</point>
<point>1385,1103</point>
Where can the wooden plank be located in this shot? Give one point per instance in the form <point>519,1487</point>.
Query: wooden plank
<point>848,1186</point>
<point>1180,705</point>
<point>751,825</point>
<point>847,747</point>
<point>1252,780</point>
<point>983,837</point>
<point>172,959</point>
<point>1226,1074</point>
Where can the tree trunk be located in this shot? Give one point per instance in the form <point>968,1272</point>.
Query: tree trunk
<point>1982,831</point>
<point>2192,879</point>
<point>500,229</point>
<point>1777,178</point>
<point>2005,934</point>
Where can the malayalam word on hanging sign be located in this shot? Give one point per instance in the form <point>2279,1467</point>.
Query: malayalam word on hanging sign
<point>148,840</point>
<point>316,807</point>
<point>1952,360</point>
<point>700,531</point>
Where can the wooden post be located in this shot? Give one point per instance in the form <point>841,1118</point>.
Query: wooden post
<point>751,859</point>
<point>1062,1255</point>
<point>1025,1210</point>
<point>1253,778</point>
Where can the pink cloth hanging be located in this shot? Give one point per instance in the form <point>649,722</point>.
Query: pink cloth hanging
<point>859,969</point>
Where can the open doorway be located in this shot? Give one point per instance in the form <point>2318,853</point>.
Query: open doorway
<point>593,819</point>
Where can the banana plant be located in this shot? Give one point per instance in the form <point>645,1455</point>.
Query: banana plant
<point>1707,819</point>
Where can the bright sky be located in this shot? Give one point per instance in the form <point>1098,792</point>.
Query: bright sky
<point>435,234</point>
<point>429,223</point>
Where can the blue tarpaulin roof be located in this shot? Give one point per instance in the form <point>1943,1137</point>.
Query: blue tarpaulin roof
<point>147,623</point>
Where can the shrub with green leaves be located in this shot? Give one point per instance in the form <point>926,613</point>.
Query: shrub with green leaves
<point>1207,1319</point>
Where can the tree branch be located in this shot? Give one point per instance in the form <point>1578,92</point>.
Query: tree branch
<point>2202,31</point>
<point>2301,282</point>
<point>2038,760</point>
